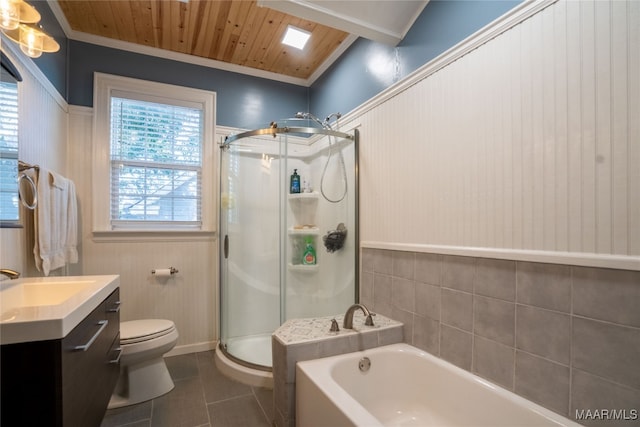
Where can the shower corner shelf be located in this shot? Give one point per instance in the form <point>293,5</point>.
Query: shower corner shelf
<point>304,268</point>
<point>302,196</point>
<point>311,231</point>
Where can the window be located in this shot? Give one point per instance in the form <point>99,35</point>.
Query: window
<point>9,206</point>
<point>154,142</point>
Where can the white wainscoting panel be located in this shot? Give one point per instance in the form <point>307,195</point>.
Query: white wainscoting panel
<point>529,142</point>
<point>188,298</point>
<point>42,136</point>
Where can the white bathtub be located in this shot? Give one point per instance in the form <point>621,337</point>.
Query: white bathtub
<point>405,386</point>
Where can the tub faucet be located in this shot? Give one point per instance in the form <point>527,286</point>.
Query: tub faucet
<point>348,317</point>
<point>11,274</point>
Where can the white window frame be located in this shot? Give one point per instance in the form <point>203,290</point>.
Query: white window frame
<point>106,86</point>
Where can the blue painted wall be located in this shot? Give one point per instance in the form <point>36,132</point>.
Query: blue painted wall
<point>242,101</point>
<point>367,67</point>
<point>53,65</point>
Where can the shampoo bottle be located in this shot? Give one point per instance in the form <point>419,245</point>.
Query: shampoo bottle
<point>295,182</point>
<point>309,256</point>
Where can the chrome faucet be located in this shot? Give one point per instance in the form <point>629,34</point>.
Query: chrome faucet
<point>11,274</point>
<point>348,317</point>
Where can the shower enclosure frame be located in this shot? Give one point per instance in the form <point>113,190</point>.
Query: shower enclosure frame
<point>275,131</point>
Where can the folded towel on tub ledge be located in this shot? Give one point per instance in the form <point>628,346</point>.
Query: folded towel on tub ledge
<point>55,222</point>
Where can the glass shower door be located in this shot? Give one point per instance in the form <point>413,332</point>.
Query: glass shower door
<point>250,246</point>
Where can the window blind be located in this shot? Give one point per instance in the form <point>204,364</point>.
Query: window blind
<point>156,163</point>
<point>9,207</point>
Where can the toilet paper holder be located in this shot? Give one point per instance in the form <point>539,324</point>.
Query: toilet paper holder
<point>172,271</point>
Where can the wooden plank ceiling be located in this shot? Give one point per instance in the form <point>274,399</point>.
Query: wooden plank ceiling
<point>237,32</point>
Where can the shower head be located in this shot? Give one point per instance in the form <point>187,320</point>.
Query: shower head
<point>301,115</point>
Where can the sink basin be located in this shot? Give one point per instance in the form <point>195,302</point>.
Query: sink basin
<point>39,294</point>
<point>35,309</point>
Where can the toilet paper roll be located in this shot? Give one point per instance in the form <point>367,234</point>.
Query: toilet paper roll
<point>162,272</point>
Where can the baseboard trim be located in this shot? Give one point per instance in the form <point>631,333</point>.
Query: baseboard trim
<point>192,348</point>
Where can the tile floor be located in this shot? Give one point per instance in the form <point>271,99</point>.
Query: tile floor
<point>202,397</point>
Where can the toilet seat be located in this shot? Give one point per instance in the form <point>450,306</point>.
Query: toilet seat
<point>136,331</point>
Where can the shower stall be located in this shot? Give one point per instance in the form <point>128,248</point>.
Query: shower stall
<point>285,254</point>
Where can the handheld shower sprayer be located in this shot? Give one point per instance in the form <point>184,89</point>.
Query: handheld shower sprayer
<point>325,125</point>
<point>326,121</point>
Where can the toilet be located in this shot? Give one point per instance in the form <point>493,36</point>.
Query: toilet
<point>143,372</point>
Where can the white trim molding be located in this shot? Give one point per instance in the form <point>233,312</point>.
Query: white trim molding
<point>549,257</point>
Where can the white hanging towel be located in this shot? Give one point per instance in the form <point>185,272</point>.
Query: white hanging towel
<point>55,222</point>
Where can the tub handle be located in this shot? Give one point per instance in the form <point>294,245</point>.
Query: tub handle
<point>334,326</point>
<point>369,320</point>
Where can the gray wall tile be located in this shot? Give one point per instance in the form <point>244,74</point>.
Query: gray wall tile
<point>592,392</point>
<point>457,309</point>
<point>458,272</point>
<point>368,259</point>
<point>404,264</point>
<point>390,336</point>
<point>544,285</point>
<point>465,312</point>
<point>403,294</point>
<point>366,288</point>
<point>543,332</point>
<point>496,278</point>
<point>455,346</point>
<point>407,322</point>
<point>494,361</point>
<point>426,334</point>
<point>542,381</point>
<point>298,353</point>
<point>382,294</point>
<point>608,350</point>
<point>336,346</point>
<point>364,341</point>
<point>383,261</point>
<point>428,300</point>
<point>494,319</point>
<point>428,268</point>
<point>606,294</point>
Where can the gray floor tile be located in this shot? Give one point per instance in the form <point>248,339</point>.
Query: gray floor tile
<point>182,407</point>
<point>217,386</point>
<point>128,415</point>
<point>240,411</point>
<point>183,366</point>
<point>202,397</point>
<point>265,400</point>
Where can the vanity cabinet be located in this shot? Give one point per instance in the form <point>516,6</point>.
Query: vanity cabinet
<point>63,382</point>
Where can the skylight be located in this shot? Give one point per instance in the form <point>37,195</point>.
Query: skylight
<point>296,37</point>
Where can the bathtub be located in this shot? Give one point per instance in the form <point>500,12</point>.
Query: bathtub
<point>405,386</point>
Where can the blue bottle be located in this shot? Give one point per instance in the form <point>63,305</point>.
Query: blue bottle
<point>295,182</point>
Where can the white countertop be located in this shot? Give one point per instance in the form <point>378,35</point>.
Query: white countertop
<point>45,308</point>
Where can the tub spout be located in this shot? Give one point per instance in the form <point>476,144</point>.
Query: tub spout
<point>348,317</point>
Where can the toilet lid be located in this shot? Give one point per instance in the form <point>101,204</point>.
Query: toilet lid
<point>133,331</point>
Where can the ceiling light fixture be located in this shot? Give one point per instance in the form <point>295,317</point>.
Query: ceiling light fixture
<point>18,22</point>
<point>13,12</point>
<point>296,37</point>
